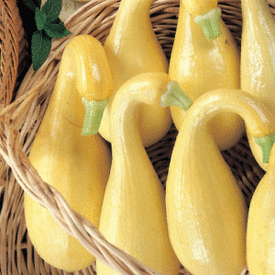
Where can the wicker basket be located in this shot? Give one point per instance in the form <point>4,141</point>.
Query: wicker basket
<point>13,56</point>
<point>22,118</point>
<point>12,47</point>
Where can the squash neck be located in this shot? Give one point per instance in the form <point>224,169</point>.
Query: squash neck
<point>76,85</point>
<point>132,15</point>
<point>187,28</point>
<point>189,32</point>
<point>257,13</point>
<point>142,90</point>
<point>125,133</point>
<point>65,100</point>
<point>207,15</point>
<point>134,8</point>
<point>258,119</point>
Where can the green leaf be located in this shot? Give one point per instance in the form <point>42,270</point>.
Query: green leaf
<point>56,30</point>
<point>52,8</point>
<point>40,47</point>
<point>48,25</point>
<point>40,19</point>
<point>30,4</point>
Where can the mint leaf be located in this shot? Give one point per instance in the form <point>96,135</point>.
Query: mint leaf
<point>40,47</point>
<point>56,30</point>
<point>31,5</point>
<point>40,19</point>
<point>48,25</point>
<point>52,8</point>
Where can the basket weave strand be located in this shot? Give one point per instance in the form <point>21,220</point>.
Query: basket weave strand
<point>12,46</point>
<point>13,57</point>
<point>19,124</point>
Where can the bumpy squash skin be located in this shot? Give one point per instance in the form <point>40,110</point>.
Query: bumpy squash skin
<point>206,212</point>
<point>199,66</point>
<point>132,48</point>
<point>133,214</point>
<point>260,225</point>
<point>257,58</point>
<point>77,166</point>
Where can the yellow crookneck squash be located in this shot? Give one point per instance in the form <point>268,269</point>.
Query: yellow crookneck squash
<point>75,164</point>
<point>207,14</point>
<point>132,48</point>
<point>133,214</point>
<point>257,58</point>
<point>199,65</point>
<point>260,226</point>
<point>206,212</point>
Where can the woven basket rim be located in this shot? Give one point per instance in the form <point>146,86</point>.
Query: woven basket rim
<point>13,48</point>
<point>34,90</point>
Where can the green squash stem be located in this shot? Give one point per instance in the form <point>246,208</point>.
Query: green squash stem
<point>175,96</point>
<point>266,144</point>
<point>210,23</point>
<point>93,115</point>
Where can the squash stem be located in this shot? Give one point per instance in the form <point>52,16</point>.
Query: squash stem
<point>175,96</point>
<point>210,23</point>
<point>93,115</point>
<point>266,144</point>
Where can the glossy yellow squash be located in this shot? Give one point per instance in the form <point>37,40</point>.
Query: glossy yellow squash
<point>257,58</point>
<point>206,212</point>
<point>132,48</point>
<point>260,226</point>
<point>133,214</point>
<point>199,65</point>
<point>207,14</point>
<point>76,165</point>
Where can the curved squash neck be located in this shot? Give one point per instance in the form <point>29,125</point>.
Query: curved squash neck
<point>143,89</point>
<point>125,133</point>
<point>259,121</point>
<point>79,77</point>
